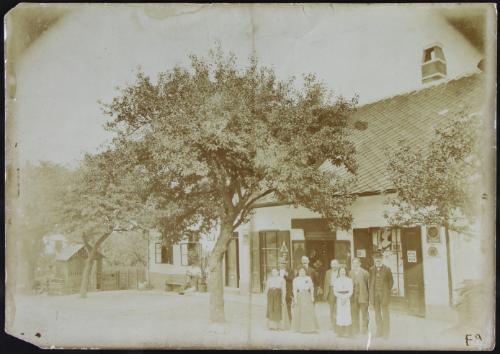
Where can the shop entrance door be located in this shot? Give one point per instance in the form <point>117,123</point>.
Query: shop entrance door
<point>320,252</point>
<point>411,243</point>
<point>363,247</point>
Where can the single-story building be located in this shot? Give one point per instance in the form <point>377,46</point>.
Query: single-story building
<point>166,260</point>
<point>69,267</point>
<point>427,268</point>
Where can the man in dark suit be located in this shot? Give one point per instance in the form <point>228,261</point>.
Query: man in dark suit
<point>381,283</point>
<point>330,276</point>
<point>360,298</point>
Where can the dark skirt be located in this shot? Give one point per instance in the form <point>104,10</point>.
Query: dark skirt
<point>274,305</point>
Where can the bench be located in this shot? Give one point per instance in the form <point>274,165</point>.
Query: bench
<point>174,282</point>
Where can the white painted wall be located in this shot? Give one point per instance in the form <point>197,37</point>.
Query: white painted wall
<point>435,271</point>
<point>466,257</point>
<point>279,217</point>
<point>368,211</point>
<point>244,259</point>
<point>175,268</point>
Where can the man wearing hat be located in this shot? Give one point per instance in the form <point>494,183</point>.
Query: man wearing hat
<point>381,283</point>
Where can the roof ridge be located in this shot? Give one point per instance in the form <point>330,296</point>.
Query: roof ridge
<point>426,87</point>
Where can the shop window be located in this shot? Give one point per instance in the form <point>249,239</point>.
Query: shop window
<point>190,253</point>
<point>388,242</point>
<point>274,250</point>
<point>164,253</point>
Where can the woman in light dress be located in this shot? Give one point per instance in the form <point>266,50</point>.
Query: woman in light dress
<point>343,292</point>
<point>303,314</point>
<point>277,314</point>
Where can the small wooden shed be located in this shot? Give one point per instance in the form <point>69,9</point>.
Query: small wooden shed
<point>70,263</point>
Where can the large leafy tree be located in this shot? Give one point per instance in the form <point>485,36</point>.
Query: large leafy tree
<point>212,140</point>
<point>440,183</point>
<point>40,187</point>
<point>104,198</point>
<point>126,249</point>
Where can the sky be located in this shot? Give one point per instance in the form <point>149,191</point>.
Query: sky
<point>371,51</point>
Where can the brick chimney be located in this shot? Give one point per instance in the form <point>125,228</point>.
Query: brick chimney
<point>433,63</point>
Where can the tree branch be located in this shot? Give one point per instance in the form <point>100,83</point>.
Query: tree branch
<point>253,200</point>
<point>248,207</point>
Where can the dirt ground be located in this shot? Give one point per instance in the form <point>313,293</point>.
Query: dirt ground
<point>157,319</point>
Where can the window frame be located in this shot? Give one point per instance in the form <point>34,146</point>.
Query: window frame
<point>163,254</point>
<point>396,250</point>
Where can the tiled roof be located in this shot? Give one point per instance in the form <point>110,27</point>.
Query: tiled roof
<point>412,117</point>
<point>69,251</point>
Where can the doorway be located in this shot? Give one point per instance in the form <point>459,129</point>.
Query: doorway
<point>413,270</point>
<point>363,247</point>
<point>402,252</point>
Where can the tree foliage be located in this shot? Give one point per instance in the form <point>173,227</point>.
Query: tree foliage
<point>40,188</point>
<point>128,248</point>
<point>97,199</point>
<point>214,140</point>
<point>104,198</point>
<point>439,184</point>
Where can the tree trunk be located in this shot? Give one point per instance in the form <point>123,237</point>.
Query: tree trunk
<point>86,273</point>
<point>215,279</point>
<point>216,288</point>
<point>92,255</point>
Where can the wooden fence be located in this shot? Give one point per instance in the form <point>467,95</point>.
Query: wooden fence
<point>122,278</point>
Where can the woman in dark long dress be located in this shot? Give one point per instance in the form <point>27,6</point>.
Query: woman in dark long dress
<point>277,314</point>
<point>303,313</point>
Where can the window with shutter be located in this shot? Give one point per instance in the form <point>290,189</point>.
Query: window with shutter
<point>190,253</point>
<point>158,248</point>
<point>163,254</point>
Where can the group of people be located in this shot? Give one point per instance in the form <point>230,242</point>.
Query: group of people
<point>291,297</point>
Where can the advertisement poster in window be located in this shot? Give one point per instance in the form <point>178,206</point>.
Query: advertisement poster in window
<point>412,256</point>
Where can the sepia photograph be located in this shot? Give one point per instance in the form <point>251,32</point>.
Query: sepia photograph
<point>251,176</point>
